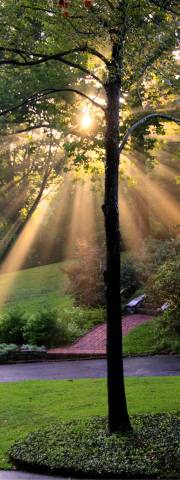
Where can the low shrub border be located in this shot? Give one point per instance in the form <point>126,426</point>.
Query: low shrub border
<point>13,353</point>
<point>83,448</point>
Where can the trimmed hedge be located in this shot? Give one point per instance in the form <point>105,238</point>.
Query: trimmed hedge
<point>83,448</point>
<point>12,352</point>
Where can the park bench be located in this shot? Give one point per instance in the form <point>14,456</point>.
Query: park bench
<point>163,307</point>
<point>135,303</point>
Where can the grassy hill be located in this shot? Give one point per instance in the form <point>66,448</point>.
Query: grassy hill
<point>37,298</point>
<point>35,288</point>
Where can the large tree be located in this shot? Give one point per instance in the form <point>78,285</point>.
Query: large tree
<point>112,45</point>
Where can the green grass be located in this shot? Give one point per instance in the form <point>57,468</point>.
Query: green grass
<point>144,339</point>
<point>37,292</point>
<point>141,340</point>
<point>35,288</point>
<point>30,405</point>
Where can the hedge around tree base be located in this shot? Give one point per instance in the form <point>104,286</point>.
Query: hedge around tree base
<point>83,448</point>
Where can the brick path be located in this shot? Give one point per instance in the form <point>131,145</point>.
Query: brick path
<point>94,342</point>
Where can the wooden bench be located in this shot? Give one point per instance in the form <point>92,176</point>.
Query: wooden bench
<point>133,304</point>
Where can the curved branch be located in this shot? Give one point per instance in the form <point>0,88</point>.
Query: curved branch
<point>144,120</point>
<point>57,56</point>
<point>44,93</point>
<point>78,92</point>
<point>41,58</point>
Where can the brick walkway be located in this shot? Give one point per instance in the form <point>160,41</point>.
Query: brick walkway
<point>94,342</point>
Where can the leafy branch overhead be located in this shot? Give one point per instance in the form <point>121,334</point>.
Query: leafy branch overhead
<point>124,27</point>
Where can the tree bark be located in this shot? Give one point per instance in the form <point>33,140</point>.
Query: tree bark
<point>118,414</point>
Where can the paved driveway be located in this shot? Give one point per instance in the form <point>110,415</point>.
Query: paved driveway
<point>26,476</point>
<point>158,365</point>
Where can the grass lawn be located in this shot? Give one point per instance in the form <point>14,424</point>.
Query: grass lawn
<point>27,406</point>
<point>37,287</point>
<point>42,289</point>
<point>141,340</point>
<point>144,340</point>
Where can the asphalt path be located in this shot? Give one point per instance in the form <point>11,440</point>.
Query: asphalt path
<point>157,365</point>
<point>13,475</point>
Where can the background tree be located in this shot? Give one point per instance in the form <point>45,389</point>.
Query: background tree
<point>104,44</point>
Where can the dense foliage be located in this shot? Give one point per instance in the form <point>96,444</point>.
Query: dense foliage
<point>85,274</point>
<point>48,326</point>
<point>164,287</point>
<point>83,448</point>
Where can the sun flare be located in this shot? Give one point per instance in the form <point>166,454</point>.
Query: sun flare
<point>86,120</point>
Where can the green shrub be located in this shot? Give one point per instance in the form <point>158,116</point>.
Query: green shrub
<point>85,275</point>
<point>130,278</point>
<point>164,286</point>
<point>11,327</point>
<point>155,253</point>
<point>82,319</point>
<point>7,351</point>
<point>84,449</point>
<point>45,328</point>
<point>14,352</point>
<point>49,327</point>
<point>86,282</point>
<point>6,348</point>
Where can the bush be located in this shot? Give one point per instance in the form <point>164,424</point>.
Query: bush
<point>49,327</point>
<point>84,449</point>
<point>153,254</point>
<point>164,286</point>
<point>11,327</point>
<point>86,282</point>
<point>41,328</point>
<point>54,328</point>
<point>11,352</point>
<point>7,351</point>
<point>130,278</point>
<point>45,328</point>
<point>6,348</point>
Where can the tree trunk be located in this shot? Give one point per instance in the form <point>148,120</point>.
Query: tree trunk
<point>21,225</point>
<point>118,414</point>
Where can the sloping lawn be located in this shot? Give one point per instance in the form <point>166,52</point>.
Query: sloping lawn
<point>40,294</point>
<point>36,287</point>
<point>144,339</point>
<point>28,406</point>
<point>141,340</point>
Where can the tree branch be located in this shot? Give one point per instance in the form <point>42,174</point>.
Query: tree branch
<point>40,9</point>
<point>27,129</point>
<point>80,32</point>
<point>142,121</point>
<point>41,58</point>
<point>164,6</point>
<point>43,93</point>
